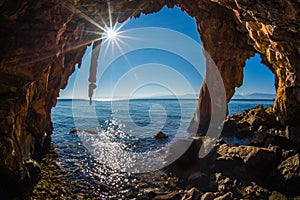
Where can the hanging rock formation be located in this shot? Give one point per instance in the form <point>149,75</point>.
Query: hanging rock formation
<point>43,41</point>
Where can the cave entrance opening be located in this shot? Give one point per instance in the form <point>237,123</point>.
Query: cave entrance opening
<point>257,88</point>
<point>147,82</point>
<point>172,19</point>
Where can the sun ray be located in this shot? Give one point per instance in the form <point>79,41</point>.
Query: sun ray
<point>74,9</point>
<point>109,14</point>
<point>82,44</point>
<point>94,32</point>
<point>103,21</point>
<point>46,56</point>
<point>123,54</point>
<point>115,29</point>
<point>130,37</point>
<point>106,47</point>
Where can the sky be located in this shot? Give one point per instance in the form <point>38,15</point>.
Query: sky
<point>155,55</point>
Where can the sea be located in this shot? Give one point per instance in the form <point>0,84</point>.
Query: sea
<point>111,135</point>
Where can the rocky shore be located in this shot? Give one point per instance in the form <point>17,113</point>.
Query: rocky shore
<point>66,182</point>
<point>43,42</point>
<point>267,168</point>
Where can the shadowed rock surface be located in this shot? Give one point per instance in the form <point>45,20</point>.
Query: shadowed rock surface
<point>42,42</point>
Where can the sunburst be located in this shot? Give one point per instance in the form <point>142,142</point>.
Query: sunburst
<point>112,33</point>
<point>110,36</point>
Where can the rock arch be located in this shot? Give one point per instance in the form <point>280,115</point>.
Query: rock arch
<point>43,41</point>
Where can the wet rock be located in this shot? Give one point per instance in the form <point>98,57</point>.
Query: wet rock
<point>208,196</point>
<point>152,191</point>
<point>192,194</point>
<point>160,135</point>
<point>73,131</point>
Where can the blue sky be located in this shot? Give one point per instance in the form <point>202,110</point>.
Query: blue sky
<point>146,72</point>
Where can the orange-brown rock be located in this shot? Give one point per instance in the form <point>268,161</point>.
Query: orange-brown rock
<point>42,42</point>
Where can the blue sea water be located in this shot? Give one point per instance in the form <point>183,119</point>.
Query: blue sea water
<point>124,129</point>
<point>239,105</point>
<point>140,117</point>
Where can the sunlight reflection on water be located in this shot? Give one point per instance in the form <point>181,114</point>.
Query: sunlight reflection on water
<point>113,137</point>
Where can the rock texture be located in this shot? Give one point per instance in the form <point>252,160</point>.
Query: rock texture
<point>251,122</point>
<point>241,172</point>
<point>42,42</point>
<point>272,30</point>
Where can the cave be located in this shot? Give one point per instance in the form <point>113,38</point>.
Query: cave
<point>42,43</point>
<point>262,89</point>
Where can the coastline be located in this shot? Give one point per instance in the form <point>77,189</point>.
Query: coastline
<point>264,168</point>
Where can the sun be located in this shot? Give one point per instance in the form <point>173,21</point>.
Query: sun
<point>111,34</point>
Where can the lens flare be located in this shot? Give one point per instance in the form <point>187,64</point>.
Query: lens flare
<point>110,34</point>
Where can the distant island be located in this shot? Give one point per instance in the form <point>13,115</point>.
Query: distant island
<point>256,96</point>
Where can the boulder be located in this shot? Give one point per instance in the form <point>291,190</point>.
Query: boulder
<point>160,135</point>
<point>257,119</point>
<point>73,131</point>
<point>246,162</point>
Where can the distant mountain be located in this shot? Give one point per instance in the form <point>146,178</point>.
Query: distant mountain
<point>258,96</point>
<point>185,96</point>
<point>255,96</point>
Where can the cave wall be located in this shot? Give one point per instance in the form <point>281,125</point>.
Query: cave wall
<point>43,41</point>
<point>273,28</point>
<point>35,64</point>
